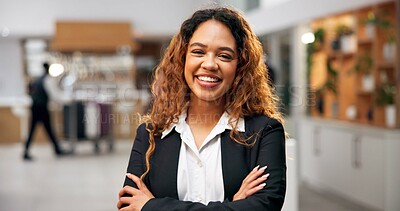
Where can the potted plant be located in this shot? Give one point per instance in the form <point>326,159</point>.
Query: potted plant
<point>347,38</point>
<point>389,46</point>
<point>329,86</point>
<point>385,96</point>
<point>363,66</point>
<point>370,25</point>
<point>382,21</point>
<point>313,47</point>
<point>373,21</point>
<point>335,44</point>
<point>319,35</point>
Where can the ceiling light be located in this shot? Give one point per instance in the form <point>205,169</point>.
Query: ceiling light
<point>56,70</point>
<point>307,38</point>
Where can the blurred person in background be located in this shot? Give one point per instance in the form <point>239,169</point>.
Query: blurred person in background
<point>39,91</point>
<point>213,139</point>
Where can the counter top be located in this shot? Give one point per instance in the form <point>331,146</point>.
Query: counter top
<point>354,127</point>
<point>15,101</point>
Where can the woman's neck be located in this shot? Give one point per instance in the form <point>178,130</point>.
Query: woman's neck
<point>204,113</point>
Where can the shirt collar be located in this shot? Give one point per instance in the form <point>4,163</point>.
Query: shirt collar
<point>223,122</point>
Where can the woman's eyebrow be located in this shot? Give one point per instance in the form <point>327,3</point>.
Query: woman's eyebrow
<point>221,48</point>
<point>227,49</point>
<point>197,44</point>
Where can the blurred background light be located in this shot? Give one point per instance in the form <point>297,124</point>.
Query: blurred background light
<point>56,70</point>
<point>5,32</point>
<point>307,38</point>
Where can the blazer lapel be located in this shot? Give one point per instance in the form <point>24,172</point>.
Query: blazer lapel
<point>165,165</point>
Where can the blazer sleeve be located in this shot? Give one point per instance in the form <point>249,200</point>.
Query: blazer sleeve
<point>137,162</point>
<point>270,151</point>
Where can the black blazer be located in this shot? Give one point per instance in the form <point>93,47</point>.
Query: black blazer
<point>237,162</point>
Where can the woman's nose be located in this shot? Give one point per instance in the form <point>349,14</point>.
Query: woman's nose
<point>209,63</point>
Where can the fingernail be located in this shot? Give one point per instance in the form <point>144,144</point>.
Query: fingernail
<point>263,168</point>
<point>262,185</point>
<point>128,174</point>
<point>255,168</point>
<point>265,175</point>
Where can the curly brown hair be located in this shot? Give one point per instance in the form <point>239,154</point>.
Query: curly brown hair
<point>250,93</point>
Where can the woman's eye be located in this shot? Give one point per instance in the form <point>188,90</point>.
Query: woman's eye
<point>226,56</point>
<point>197,52</point>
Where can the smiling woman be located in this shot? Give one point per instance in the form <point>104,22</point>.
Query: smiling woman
<point>211,62</point>
<point>214,138</point>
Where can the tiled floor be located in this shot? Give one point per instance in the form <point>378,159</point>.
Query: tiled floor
<point>90,182</point>
<point>311,200</point>
<point>84,181</point>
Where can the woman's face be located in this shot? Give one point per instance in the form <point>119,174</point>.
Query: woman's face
<point>211,61</point>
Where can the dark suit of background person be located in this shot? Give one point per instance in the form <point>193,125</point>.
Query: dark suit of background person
<point>40,113</point>
<point>237,162</point>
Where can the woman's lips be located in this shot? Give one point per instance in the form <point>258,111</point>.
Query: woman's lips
<point>208,81</point>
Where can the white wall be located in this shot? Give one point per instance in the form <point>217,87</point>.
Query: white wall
<point>292,12</point>
<point>11,68</point>
<point>28,18</point>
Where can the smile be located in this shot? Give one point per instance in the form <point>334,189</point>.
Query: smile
<point>208,79</point>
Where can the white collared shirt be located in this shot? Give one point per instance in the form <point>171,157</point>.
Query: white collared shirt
<point>199,177</point>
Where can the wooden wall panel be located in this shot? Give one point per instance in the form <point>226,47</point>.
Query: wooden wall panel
<point>9,126</point>
<point>10,129</point>
<point>92,36</point>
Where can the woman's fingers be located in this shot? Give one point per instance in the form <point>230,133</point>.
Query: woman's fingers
<point>137,180</point>
<point>255,169</point>
<point>122,192</point>
<point>127,190</point>
<point>253,182</point>
<point>255,189</point>
<point>131,198</point>
<point>134,178</point>
<point>123,201</point>
<point>140,184</point>
<point>125,209</point>
<point>254,174</point>
<point>256,185</point>
<point>257,181</point>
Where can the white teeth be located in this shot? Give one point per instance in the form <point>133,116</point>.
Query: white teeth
<point>208,79</point>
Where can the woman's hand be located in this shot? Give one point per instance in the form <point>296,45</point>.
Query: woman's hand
<point>138,197</point>
<point>252,183</point>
